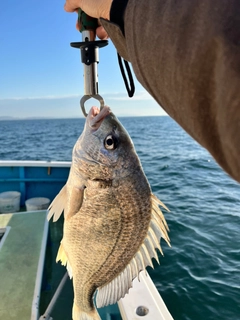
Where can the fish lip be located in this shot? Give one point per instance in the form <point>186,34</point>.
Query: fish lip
<point>96,116</point>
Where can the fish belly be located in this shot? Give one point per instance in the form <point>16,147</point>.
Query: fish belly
<point>102,238</point>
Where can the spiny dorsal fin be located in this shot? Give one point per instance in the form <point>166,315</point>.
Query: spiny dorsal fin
<point>159,202</point>
<point>119,286</point>
<point>159,213</point>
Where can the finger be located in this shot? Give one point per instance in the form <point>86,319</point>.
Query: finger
<point>77,26</point>
<point>101,33</point>
<point>68,8</point>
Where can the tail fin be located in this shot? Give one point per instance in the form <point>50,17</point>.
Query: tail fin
<point>77,314</point>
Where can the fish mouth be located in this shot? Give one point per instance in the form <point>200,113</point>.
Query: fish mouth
<point>96,116</point>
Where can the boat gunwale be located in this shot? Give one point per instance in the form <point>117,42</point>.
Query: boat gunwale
<point>39,275</point>
<point>6,232</point>
<point>34,163</point>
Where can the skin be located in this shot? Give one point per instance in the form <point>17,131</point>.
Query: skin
<point>96,9</point>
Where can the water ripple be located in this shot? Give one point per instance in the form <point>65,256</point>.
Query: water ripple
<point>199,276</point>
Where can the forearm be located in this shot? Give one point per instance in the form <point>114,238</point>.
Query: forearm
<point>187,55</point>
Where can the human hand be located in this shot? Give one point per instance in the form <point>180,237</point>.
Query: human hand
<point>93,8</point>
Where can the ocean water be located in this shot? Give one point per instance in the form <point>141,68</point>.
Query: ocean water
<point>199,276</point>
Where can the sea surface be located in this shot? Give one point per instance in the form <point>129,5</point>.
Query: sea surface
<point>199,276</point>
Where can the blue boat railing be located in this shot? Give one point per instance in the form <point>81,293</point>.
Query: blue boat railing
<point>33,178</point>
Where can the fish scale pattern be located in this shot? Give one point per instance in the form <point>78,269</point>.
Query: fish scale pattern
<point>112,220</point>
<point>157,229</point>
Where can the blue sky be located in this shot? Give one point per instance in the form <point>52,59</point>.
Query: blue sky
<point>41,75</point>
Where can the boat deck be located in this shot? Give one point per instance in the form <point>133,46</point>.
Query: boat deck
<point>29,274</point>
<point>53,273</point>
<point>20,255</point>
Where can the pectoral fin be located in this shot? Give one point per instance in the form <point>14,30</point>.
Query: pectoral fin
<point>68,200</point>
<point>75,200</point>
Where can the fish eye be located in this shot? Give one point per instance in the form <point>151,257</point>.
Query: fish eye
<point>110,142</point>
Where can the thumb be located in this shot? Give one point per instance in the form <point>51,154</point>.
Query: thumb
<point>93,8</point>
<point>72,5</point>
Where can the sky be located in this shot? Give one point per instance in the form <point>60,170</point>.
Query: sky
<point>42,76</point>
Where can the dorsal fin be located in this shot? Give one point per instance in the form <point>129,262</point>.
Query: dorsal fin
<point>119,286</point>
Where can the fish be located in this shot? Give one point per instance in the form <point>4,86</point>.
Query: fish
<point>112,221</point>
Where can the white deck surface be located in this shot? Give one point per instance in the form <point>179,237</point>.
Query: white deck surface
<point>143,294</point>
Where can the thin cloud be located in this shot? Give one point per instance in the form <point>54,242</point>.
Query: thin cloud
<point>121,96</point>
<point>51,97</point>
<point>142,95</point>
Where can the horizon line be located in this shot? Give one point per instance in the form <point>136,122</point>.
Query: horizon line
<point>9,118</point>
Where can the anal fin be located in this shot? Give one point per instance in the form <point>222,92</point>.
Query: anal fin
<point>61,256</point>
